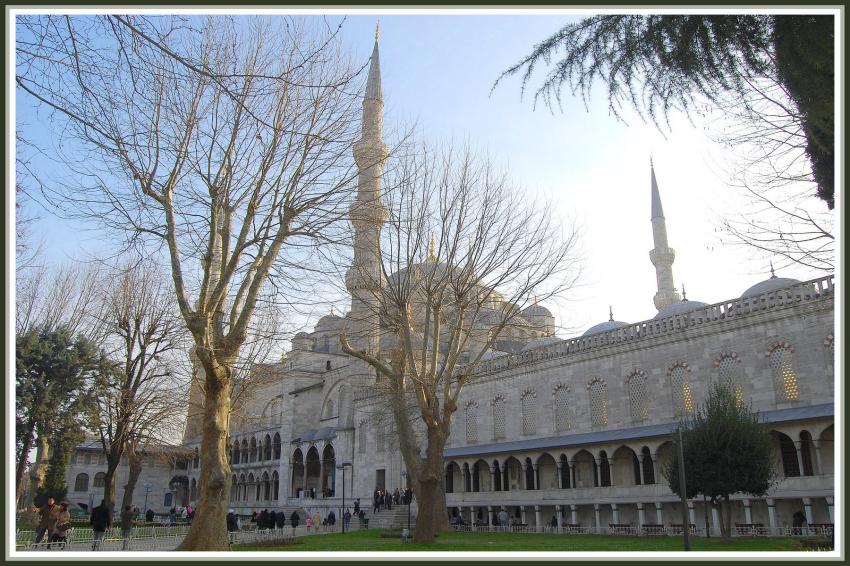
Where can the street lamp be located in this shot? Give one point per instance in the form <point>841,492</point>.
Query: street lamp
<point>406,475</point>
<point>342,508</point>
<point>147,487</point>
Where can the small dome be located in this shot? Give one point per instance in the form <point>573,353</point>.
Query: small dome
<point>768,285</point>
<point>302,335</point>
<point>492,354</point>
<point>680,308</point>
<point>535,310</point>
<point>604,327</point>
<point>540,342</point>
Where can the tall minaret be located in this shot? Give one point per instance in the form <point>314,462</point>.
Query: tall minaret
<point>368,213</point>
<point>662,255</point>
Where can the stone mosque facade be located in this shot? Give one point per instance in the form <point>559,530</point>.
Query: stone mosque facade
<point>574,429</point>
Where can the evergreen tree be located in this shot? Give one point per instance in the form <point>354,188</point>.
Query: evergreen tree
<point>54,373</point>
<point>727,450</point>
<point>660,64</point>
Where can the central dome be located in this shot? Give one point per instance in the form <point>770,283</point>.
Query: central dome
<point>680,308</point>
<point>604,327</point>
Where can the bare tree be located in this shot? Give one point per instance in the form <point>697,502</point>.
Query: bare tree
<point>446,303</point>
<point>225,142</point>
<point>765,133</point>
<point>143,333</point>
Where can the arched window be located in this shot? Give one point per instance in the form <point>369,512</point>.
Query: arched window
<point>598,402</point>
<point>253,492</point>
<point>788,454</point>
<point>729,374</point>
<point>648,469</point>
<point>329,410</point>
<point>529,416</point>
<point>101,459</point>
<point>81,483</point>
<point>245,452</point>
<point>784,377</point>
<point>87,459</point>
<point>267,448</point>
<point>275,486</point>
<point>638,399</point>
<point>561,408</point>
<point>99,480</point>
<point>498,418</point>
<point>276,446</point>
<point>806,451</point>
<point>243,488</point>
<point>683,402</point>
<point>253,456</point>
<point>267,487</point>
<point>197,460</point>
<point>233,490</point>
<point>236,452</point>
<point>471,411</point>
<point>604,470</point>
<point>169,499</point>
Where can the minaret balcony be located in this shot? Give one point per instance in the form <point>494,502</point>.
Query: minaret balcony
<point>368,153</point>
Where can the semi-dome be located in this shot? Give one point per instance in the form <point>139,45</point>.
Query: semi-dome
<point>680,307</point>
<point>540,342</point>
<point>329,322</point>
<point>773,284</point>
<point>604,327</point>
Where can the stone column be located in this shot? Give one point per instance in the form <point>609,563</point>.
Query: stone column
<point>535,477</point>
<point>816,445</point>
<point>321,474</point>
<point>493,479</point>
<point>615,513</point>
<point>748,513</point>
<point>538,523</point>
<point>572,464</point>
<point>611,471</point>
<point>574,514</point>
<point>490,520</point>
<point>691,513</point>
<point>560,465</point>
<point>472,517</point>
<point>304,482</point>
<point>598,473</point>
<point>522,514</point>
<point>654,468</point>
<point>640,461</point>
<point>798,449</point>
<point>558,516</point>
<point>715,519</point>
<point>771,513</point>
<point>829,502</point>
<point>641,515</point>
<point>596,514</point>
<point>807,506</point>
<point>659,518</point>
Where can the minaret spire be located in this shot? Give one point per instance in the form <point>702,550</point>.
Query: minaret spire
<point>662,255</point>
<point>368,213</point>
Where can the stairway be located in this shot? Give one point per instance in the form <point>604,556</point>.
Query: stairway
<point>395,518</point>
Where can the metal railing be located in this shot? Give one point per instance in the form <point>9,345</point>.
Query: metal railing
<point>649,530</point>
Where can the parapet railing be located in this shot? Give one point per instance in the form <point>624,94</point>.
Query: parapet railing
<point>813,290</point>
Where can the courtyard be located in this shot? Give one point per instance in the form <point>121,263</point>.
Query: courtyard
<point>390,540</point>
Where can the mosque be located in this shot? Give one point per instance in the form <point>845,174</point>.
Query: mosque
<point>569,430</point>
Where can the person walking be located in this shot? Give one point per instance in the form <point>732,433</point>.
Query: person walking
<point>172,516</point>
<point>231,521</point>
<point>357,506</point>
<point>280,520</point>
<point>63,525</point>
<point>100,520</point>
<point>388,500</point>
<point>126,526</point>
<point>262,520</point>
<point>309,523</point>
<point>149,515</point>
<point>294,519</point>
<point>346,520</point>
<point>317,520</point>
<point>331,519</point>
<point>396,495</point>
<point>503,518</point>
<point>48,519</point>
<point>272,519</point>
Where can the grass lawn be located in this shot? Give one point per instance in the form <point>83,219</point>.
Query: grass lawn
<point>371,540</point>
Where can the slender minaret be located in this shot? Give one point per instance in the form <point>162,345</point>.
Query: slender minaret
<point>662,255</point>
<point>368,213</point>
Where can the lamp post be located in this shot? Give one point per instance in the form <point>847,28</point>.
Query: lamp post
<point>406,475</point>
<point>683,492</point>
<point>147,487</point>
<point>342,508</point>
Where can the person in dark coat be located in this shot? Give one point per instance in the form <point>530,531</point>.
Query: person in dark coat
<point>294,520</point>
<point>388,500</point>
<point>100,520</point>
<point>272,519</point>
<point>149,515</point>
<point>263,520</point>
<point>280,519</point>
<point>331,518</point>
<point>357,507</point>
<point>231,521</point>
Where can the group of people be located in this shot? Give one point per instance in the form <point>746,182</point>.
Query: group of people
<point>55,522</point>
<point>382,499</point>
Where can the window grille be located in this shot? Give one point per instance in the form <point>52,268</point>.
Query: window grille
<point>499,418</point>
<point>529,422</point>
<point>683,402</point>
<point>561,409</point>
<point>638,399</point>
<point>784,376</point>
<point>598,402</point>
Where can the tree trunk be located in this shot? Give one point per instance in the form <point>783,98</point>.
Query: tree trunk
<point>38,470</point>
<point>135,465</point>
<point>725,516</point>
<point>22,462</point>
<point>209,527</point>
<point>426,521</point>
<point>109,481</point>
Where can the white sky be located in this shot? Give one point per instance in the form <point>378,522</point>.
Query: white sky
<point>437,70</point>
